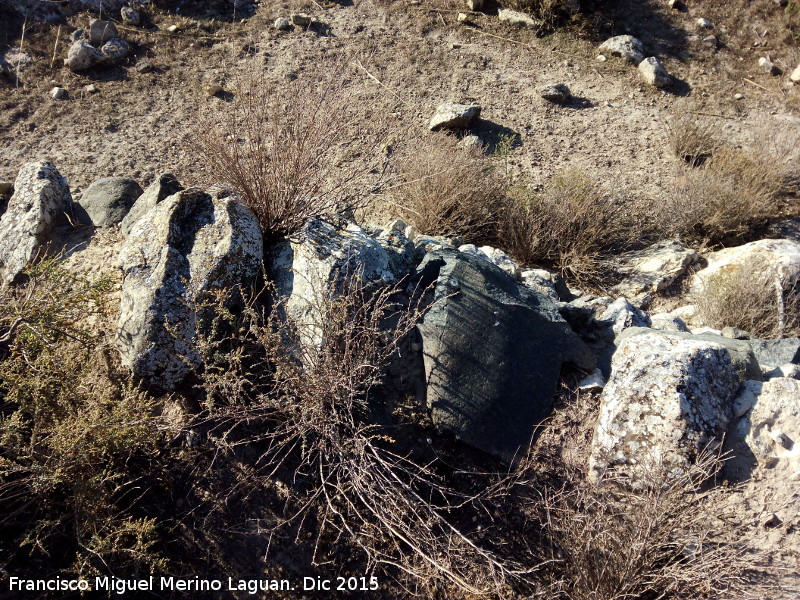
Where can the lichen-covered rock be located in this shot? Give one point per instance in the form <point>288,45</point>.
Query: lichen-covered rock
<point>82,56</point>
<point>668,398</point>
<point>454,116</point>
<point>653,269</point>
<point>191,243</point>
<point>166,185</point>
<point>625,46</point>
<point>493,351</point>
<point>767,433</point>
<point>106,201</point>
<point>40,197</point>
<point>314,262</point>
<point>621,314</point>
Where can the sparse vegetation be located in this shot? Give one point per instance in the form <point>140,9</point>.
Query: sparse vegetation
<point>574,225</point>
<point>693,141</point>
<point>294,153</point>
<point>445,189</point>
<point>751,298</point>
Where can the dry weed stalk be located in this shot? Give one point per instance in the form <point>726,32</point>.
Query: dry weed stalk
<point>294,152</point>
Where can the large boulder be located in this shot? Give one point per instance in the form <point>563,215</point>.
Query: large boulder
<point>40,198</point>
<point>744,361</point>
<point>493,351</point>
<point>316,262</point>
<point>165,186</point>
<point>653,269</point>
<point>778,258</point>
<point>192,243</point>
<point>106,201</point>
<point>668,398</point>
<point>767,432</point>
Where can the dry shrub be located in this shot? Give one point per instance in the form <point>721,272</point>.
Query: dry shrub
<point>73,432</point>
<point>445,189</point>
<point>314,415</point>
<point>295,151</point>
<point>549,12</point>
<point>732,194</point>
<point>667,539</point>
<point>692,140</point>
<point>574,225</point>
<point>751,298</point>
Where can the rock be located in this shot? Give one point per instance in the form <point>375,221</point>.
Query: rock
<point>472,142</point>
<point>462,18</point>
<point>58,93</point>
<point>653,269</point>
<point>493,351</point>
<point>790,371</point>
<point>17,61</point>
<point>475,4</point>
<point>625,46</point>
<point>116,49</point>
<point>428,243</point>
<point>107,201</point>
<point>101,31</point>
<point>282,24</point>
<point>454,116</point>
<point>130,15</point>
<point>78,34</point>
<point>520,19</point>
<point>541,282</point>
<point>767,65</point>
<point>301,19</point>
<point>144,66</point>
<point>190,244</point>
<point>795,76</point>
<point>735,333</point>
<point>558,92</point>
<point>776,352</point>
<point>40,197</point>
<point>654,73</point>
<point>621,314</point>
<point>704,23</point>
<point>677,5</point>
<point>667,399</point>
<point>703,330</point>
<point>592,383</point>
<point>91,89</point>
<point>6,189</point>
<point>165,186</point>
<point>767,434</point>
<point>82,56</point>
<point>667,322</point>
<point>711,41</point>
<point>779,258</point>
<point>399,249</point>
<point>495,256</point>
<point>744,361</point>
<point>320,257</point>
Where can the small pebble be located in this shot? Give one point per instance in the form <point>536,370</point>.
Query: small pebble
<point>58,93</point>
<point>705,23</point>
<point>91,89</point>
<point>172,28</point>
<point>282,24</point>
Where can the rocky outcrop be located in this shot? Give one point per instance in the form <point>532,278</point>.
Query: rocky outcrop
<point>668,398</point>
<point>493,351</point>
<point>40,198</point>
<point>317,260</point>
<point>653,269</point>
<point>191,243</point>
<point>767,432</point>
<point>106,201</point>
<point>166,185</point>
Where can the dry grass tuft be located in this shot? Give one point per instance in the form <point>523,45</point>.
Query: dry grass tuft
<point>692,140</point>
<point>445,189</point>
<point>293,152</point>
<point>574,225</point>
